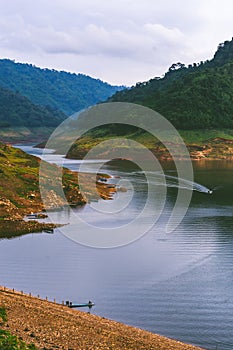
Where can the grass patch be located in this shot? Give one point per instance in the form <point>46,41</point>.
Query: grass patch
<point>202,137</point>
<point>199,136</point>
<point>3,314</point>
<point>11,342</point>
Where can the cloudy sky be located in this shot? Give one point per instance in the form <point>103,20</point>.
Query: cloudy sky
<point>118,41</point>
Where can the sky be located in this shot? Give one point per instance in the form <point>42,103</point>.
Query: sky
<point>118,41</point>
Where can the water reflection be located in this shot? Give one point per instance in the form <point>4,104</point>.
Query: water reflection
<point>178,284</point>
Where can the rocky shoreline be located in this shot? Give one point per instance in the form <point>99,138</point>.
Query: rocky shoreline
<point>49,325</point>
<point>13,223</point>
<point>216,148</point>
<point>14,228</point>
<point>20,191</point>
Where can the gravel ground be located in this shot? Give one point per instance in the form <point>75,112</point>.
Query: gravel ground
<point>52,326</point>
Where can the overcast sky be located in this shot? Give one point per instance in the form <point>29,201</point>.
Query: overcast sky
<point>118,41</point>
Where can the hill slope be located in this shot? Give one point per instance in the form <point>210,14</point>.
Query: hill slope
<point>61,90</point>
<point>19,184</point>
<point>197,99</point>
<point>52,326</point>
<point>17,110</point>
<point>199,96</point>
<point>20,192</point>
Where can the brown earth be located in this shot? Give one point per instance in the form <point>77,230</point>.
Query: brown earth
<point>20,190</point>
<point>52,326</point>
<point>215,148</point>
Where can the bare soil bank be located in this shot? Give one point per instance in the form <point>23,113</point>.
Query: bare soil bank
<point>53,326</point>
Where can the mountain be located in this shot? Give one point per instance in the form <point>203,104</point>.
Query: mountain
<point>60,90</point>
<point>224,53</point>
<point>199,96</point>
<point>17,110</point>
<point>198,100</point>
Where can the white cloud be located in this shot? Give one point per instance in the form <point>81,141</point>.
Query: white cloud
<point>120,41</point>
<point>167,34</point>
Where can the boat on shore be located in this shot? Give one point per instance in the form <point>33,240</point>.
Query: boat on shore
<point>36,216</point>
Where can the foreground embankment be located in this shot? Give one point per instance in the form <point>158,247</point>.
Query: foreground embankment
<point>53,326</point>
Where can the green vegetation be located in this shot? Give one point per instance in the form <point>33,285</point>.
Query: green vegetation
<point>199,96</point>
<point>20,192</point>
<point>18,111</point>
<point>9,341</point>
<point>223,54</point>
<point>24,134</point>
<point>212,143</point>
<point>3,315</point>
<point>18,176</point>
<point>197,99</point>
<point>19,183</point>
<point>60,90</point>
<point>203,136</point>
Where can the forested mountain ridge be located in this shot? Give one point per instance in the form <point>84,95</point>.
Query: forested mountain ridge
<point>199,96</point>
<point>223,54</point>
<point>60,90</point>
<point>17,110</point>
<point>197,99</point>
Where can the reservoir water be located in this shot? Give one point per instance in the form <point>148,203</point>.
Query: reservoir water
<point>179,285</point>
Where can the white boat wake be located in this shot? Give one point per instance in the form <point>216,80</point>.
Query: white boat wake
<point>175,182</point>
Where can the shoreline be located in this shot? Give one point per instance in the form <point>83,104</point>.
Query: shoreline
<point>20,191</point>
<point>164,155</point>
<point>50,325</point>
<point>13,224</point>
<point>215,148</point>
<point>16,228</point>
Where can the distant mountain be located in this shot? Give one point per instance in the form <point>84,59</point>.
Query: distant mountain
<point>197,99</point>
<point>199,96</point>
<point>18,111</point>
<point>60,90</point>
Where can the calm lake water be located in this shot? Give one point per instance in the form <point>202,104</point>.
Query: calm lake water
<point>179,285</point>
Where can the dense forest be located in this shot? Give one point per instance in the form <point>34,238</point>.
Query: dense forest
<point>17,110</point>
<point>60,90</point>
<point>197,99</point>
<point>199,96</point>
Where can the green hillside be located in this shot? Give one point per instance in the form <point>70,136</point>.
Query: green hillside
<point>197,99</point>
<point>17,110</point>
<point>199,96</point>
<point>20,190</point>
<point>19,184</point>
<point>61,90</point>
